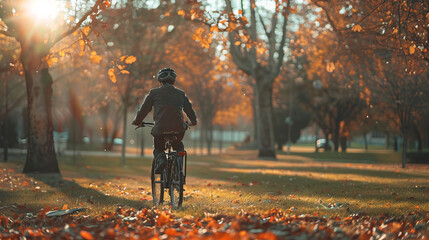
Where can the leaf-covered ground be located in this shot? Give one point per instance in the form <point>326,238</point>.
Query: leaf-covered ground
<point>153,224</point>
<point>233,196</point>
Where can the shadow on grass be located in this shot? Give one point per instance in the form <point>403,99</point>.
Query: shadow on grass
<point>75,191</point>
<point>94,167</point>
<point>340,170</point>
<point>316,167</point>
<point>364,157</point>
<point>308,186</point>
<point>363,173</point>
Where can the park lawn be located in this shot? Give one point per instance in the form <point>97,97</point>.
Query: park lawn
<point>360,156</point>
<point>237,181</point>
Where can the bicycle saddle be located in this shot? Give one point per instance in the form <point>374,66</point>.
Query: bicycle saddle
<point>170,135</point>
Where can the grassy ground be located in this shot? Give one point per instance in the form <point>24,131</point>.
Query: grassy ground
<point>302,182</point>
<point>359,156</point>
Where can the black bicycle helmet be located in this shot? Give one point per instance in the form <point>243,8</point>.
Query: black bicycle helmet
<point>167,75</point>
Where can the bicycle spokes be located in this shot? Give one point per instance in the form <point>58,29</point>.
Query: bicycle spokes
<point>158,184</point>
<point>176,186</point>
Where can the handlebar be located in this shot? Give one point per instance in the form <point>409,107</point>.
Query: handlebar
<point>143,124</point>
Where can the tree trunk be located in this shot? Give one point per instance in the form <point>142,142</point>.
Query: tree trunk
<point>404,146</point>
<point>124,134</point>
<point>110,141</point>
<point>255,121</point>
<point>5,150</point>
<point>365,141</point>
<point>327,145</point>
<point>335,137</point>
<point>316,136</point>
<point>109,134</point>
<point>419,139</point>
<point>343,139</point>
<point>395,144</point>
<point>202,137</point>
<point>4,140</point>
<point>266,122</point>
<point>426,138</point>
<point>220,139</point>
<point>387,140</point>
<point>76,133</point>
<point>209,138</point>
<point>104,112</point>
<point>196,141</point>
<point>142,146</point>
<point>343,144</point>
<point>73,138</point>
<point>5,127</point>
<point>40,149</point>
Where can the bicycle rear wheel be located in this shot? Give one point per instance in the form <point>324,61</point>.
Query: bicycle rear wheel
<point>176,185</point>
<point>157,181</point>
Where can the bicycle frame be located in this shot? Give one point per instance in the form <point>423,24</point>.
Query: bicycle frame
<point>174,171</point>
<point>170,158</point>
<point>173,177</point>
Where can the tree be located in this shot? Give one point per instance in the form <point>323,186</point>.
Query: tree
<point>257,49</point>
<point>300,120</point>
<point>11,92</point>
<point>331,87</point>
<point>289,113</point>
<point>36,40</point>
<point>10,77</point>
<point>261,58</point>
<point>406,95</point>
<point>394,35</point>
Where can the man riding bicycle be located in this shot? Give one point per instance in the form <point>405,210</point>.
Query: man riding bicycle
<point>169,103</point>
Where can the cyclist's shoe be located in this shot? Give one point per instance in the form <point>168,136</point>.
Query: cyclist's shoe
<point>160,162</point>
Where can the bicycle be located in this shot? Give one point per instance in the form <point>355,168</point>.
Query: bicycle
<point>173,176</point>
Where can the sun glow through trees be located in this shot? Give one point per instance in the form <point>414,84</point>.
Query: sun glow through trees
<point>44,10</point>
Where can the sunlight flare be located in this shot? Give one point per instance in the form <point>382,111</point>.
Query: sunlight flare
<point>44,10</point>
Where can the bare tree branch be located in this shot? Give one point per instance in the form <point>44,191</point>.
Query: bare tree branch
<point>94,9</point>
<point>281,51</point>
<point>328,16</point>
<point>253,32</point>
<point>272,37</point>
<point>371,12</point>
<point>240,58</point>
<point>274,20</point>
<point>263,24</point>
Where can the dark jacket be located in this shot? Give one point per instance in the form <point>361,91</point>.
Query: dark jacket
<point>169,103</point>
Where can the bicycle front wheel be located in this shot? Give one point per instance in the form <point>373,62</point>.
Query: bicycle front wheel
<point>157,181</point>
<point>176,186</point>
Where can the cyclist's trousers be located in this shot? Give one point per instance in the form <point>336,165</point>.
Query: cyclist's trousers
<point>159,144</point>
